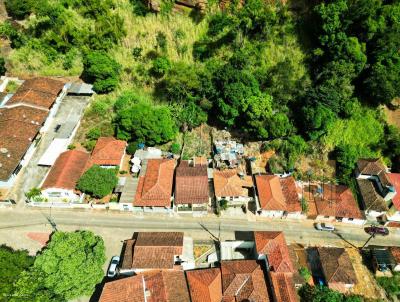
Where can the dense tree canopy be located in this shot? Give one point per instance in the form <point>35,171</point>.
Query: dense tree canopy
<point>12,264</point>
<point>101,70</point>
<point>97,182</point>
<point>143,122</point>
<point>69,267</point>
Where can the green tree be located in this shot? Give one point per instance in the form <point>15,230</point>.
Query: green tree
<point>391,284</point>
<point>305,273</point>
<point>12,264</point>
<point>101,70</point>
<point>143,122</point>
<point>31,283</point>
<point>175,148</point>
<point>18,9</point>
<point>70,266</point>
<point>160,66</point>
<point>33,194</point>
<point>310,293</point>
<point>97,182</point>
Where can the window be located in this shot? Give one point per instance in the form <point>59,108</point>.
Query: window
<point>54,194</point>
<point>351,219</point>
<point>326,216</point>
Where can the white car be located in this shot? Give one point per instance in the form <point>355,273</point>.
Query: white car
<point>324,227</point>
<point>112,269</point>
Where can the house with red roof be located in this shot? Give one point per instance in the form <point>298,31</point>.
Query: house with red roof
<point>154,189</point>
<point>191,188</point>
<point>337,203</point>
<point>23,117</point>
<point>205,285</point>
<point>147,251</point>
<point>60,182</point>
<point>278,197</point>
<point>271,248</point>
<point>154,286</point>
<point>393,215</point>
<point>108,153</point>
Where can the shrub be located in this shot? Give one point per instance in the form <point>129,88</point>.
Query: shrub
<point>132,147</point>
<point>305,273</point>
<point>93,133</point>
<point>223,203</point>
<point>175,148</point>
<point>97,182</point>
<point>19,9</point>
<point>160,66</point>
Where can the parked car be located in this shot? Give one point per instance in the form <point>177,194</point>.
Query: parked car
<point>324,227</point>
<point>376,230</point>
<point>57,128</point>
<point>10,201</point>
<point>112,269</point>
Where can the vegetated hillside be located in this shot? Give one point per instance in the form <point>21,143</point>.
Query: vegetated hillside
<point>306,81</point>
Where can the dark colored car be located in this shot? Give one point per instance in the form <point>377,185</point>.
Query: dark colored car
<point>57,128</point>
<point>377,230</point>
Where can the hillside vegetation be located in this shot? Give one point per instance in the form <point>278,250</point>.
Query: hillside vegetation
<point>305,82</point>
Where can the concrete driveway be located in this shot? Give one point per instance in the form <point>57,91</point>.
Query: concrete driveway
<point>71,108</point>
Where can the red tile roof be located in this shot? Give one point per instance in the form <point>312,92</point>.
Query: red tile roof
<point>67,170</point>
<point>277,194</point>
<point>336,265</point>
<point>395,180</point>
<point>15,140</point>
<point>130,289</point>
<point>24,114</point>
<point>205,285</point>
<point>228,183</point>
<point>191,185</point>
<point>273,245</point>
<point>337,201</point>
<point>46,85</point>
<point>283,287</point>
<point>156,250</point>
<point>108,152</point>
<point>166,286</point>
<point>155,187</point>
<point>243,280</point>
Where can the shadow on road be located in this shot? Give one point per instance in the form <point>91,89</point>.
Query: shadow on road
<point>344,239</point>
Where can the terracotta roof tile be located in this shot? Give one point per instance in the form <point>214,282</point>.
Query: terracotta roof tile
<point>205,285</point>
<point>15,140</point>
<point>336,265</point>
<point>67,170</point>
<point>154,250</point>
<point>277,194</point>
<point>337,201</point>
<point>24,114</point>
<point>395,180</point>
<point>228,183</point>
<point>166,286</point>
<point>32,97</point>
<point>191,185</point>
<point>273,245</point>
<point>46,85</point>
<point>372,200</point>
<point>243,280</point>
<point>370,166</point>
<point>155,187</point>
<point>130,289</point>
<point>283,287</point>
<point>107,152</point>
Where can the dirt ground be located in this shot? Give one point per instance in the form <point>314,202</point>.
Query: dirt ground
<point>393,116</point>
<point>366,285</point>
<point>198,142</point>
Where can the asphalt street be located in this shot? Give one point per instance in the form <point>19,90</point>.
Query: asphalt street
<point>199,228</point>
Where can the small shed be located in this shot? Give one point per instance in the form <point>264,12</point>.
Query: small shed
<point>80,89</point>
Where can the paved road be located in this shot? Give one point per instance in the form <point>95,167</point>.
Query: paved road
<point>295,231</point>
